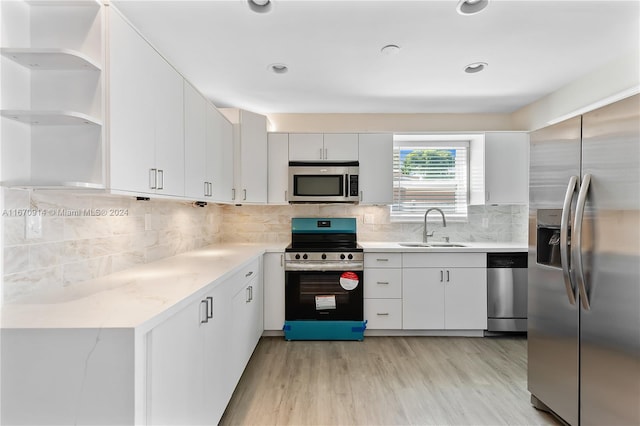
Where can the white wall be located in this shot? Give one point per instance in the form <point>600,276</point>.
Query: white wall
<point>615,81</point>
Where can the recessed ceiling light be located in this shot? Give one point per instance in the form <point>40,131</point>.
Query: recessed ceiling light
<point>471,7</point>
<point>475,67</point>
<point>279,68</point>
<point>260,6</point>
<point>390,49</point>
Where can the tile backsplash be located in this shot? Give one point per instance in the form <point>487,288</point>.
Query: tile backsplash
<point>271,224</point>
<point>86,236</point>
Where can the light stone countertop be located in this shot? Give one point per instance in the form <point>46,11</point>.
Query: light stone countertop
<point>138,298</point>
<point>144,296</point>
<point>470,247</point>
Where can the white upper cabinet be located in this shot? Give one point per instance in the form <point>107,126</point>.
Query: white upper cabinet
<point>146,116</point>
<point>323,147</point>
<point>250,156</point>
<point>52,103</point>
<point>220,139</point>
<point>376,168</point>
<point>341,147</point>
<point>507,168</point>
<point>278,149</point>
<point>197,183</point>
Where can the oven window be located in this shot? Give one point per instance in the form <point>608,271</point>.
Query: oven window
<point>319,295</point>
<point>318,185</point>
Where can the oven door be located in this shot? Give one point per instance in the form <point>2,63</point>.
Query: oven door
<point>324,295</point>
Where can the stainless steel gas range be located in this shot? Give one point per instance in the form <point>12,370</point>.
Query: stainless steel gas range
<point>324,272</point>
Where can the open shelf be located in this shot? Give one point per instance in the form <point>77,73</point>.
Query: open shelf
<point>50,59</point>
<point>50,118</point>
<point>53,185</point>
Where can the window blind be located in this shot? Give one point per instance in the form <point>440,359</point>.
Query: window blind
<point>430,174</point>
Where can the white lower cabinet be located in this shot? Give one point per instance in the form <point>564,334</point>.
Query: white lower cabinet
<point>451,296</point>
<point>196,357</point>
<point>383,291</point>
<point>186,381</point>
<point>273,282</point>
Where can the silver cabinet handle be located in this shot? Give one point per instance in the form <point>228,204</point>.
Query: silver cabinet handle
<point>285,196</point>
<point>209,308</point>
<point>206,189</point>
<point>441,276</point>
<point>282,260</point>
<point>576,244</point>
<point>383,282</point>
<point>326,153</point>
<point>210,189</point>
<point>447,276</point>
<point>153,178</point>
<point>248,274</point>
<point>321,153</point>
<point>360,195</point>
<point>382,260</point>
<point>383,314</point>
<point>206,310</point>
<point>564,239</point>
<point>161,175</point>
<point>248,294</point>
<point>244,198</point>
<point>233,193</point>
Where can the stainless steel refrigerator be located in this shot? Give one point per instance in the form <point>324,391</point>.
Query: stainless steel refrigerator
<point>584,267</point>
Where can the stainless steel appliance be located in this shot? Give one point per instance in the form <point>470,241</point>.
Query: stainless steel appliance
<point>323,182</point>
<point>324,271</point>
<point>507,292</point>
<point>584,267</point>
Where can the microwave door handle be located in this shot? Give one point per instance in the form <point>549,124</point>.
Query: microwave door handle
<point>346,185</point>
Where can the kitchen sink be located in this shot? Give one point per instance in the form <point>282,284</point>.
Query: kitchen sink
<point>431,245</point>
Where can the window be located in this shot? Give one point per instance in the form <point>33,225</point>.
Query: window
<point>428,173</point>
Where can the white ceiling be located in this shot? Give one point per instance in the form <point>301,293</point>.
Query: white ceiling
<point>332,49</point>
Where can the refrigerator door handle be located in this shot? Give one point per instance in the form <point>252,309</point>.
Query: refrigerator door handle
<point>564,239</point>
<point>576,245</point>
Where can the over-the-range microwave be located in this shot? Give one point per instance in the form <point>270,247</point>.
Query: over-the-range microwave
<point>323,182</point>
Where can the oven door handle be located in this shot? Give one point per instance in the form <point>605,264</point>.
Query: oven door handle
<point>318,266</point>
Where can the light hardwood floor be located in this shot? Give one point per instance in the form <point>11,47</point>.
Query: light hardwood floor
<point>386,381</point>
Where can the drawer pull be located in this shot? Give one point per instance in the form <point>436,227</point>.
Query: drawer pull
<point>249,274</point>
<point>382,260</point>
<point>383,282</point>
<point>383,314</point>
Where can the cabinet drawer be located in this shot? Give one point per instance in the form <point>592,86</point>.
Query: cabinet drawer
<point>383,283</point>
<point>383,313</point>
<point>444,260</point>
<point>383,260</point>
<point>244,275</point>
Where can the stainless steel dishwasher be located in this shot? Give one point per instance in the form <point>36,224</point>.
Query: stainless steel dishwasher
<point>507,292</point>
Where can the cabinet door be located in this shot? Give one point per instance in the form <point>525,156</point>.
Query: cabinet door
<point>195,143</point>
<point>341,147</point>
<point>423,299</point>
<point>465,299</point>
<point>169,127</point>
<point>221,135</point>
<point>131,108</point>
<point>253,158</point>
<point>376,168</point>
<point>306,147</point>
<point>241,331</point>
<point>218,386</point>
<point>507,168</point>
<point>175,365</point>
<point>278,171</point>
<point>273,286</point>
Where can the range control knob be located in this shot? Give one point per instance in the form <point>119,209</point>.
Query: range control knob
<point>304,256</point>
<point>324,256</point>
<point>342,256</point>
<point>350,256</point>
<point>297,256</point>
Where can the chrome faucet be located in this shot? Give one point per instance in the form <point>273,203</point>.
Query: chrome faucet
<point>425,234</point>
